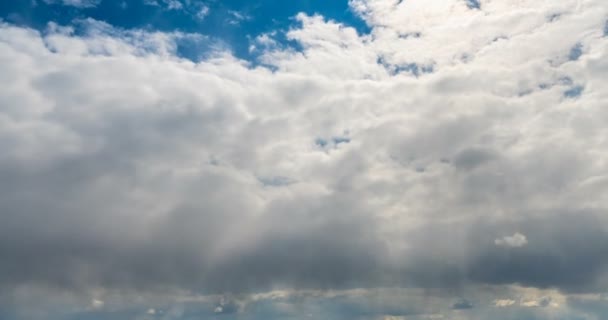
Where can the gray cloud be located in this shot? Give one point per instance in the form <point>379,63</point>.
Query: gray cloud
<point>462,305</point>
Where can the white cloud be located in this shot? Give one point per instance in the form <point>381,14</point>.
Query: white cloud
<point>148,158</point>
<point>504,302</point>
<point>517,240</point>
<point>236,17</point>
<point>538,303</point>
<point>174,4</point>
<point>202,12</point>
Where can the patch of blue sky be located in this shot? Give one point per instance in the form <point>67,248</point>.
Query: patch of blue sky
<point>333,143</point>
<point>415,69</point>
<point>339,140</point>
<point>276,181</point>
<point>321,142</point>
<point>575,52</point>
<point>412,68</point>
<point>473,4</point>
<point>574,92</point>
<point>234,22</point>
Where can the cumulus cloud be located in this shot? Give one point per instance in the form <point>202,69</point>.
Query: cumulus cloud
<point>517,240</point>
<point>393,158</point>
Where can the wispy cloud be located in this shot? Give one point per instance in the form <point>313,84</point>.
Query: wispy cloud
<point>75,3</point>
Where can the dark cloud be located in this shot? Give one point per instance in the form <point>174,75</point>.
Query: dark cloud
<point>293,244</point>
<point>564,251</point>
<point>211,243</point>
<point>471,158</point>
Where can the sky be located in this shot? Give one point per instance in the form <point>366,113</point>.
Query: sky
<point>305,159</point>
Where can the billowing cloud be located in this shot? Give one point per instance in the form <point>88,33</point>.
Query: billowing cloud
<point>399,158</point>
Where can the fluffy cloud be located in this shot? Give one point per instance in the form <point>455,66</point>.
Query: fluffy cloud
<point>387,159</point>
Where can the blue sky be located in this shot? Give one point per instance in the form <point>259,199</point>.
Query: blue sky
<point>235,22</point>
<point>305,159</point>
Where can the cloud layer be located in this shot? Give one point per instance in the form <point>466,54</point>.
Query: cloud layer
<point>458,144</point>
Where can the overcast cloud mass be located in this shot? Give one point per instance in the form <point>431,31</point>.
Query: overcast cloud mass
<point>395,160</point>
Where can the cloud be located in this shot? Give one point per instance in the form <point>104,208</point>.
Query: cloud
<point>174,4</point>
<point>197,9</point>
<point>543,302</point>
<point>75,3</point>
<point>517,240</point>
<point>504,302</point>
<point>203,12</point>
<point>96,304</point>
<point>127,167</point>
<point>236,17</point>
